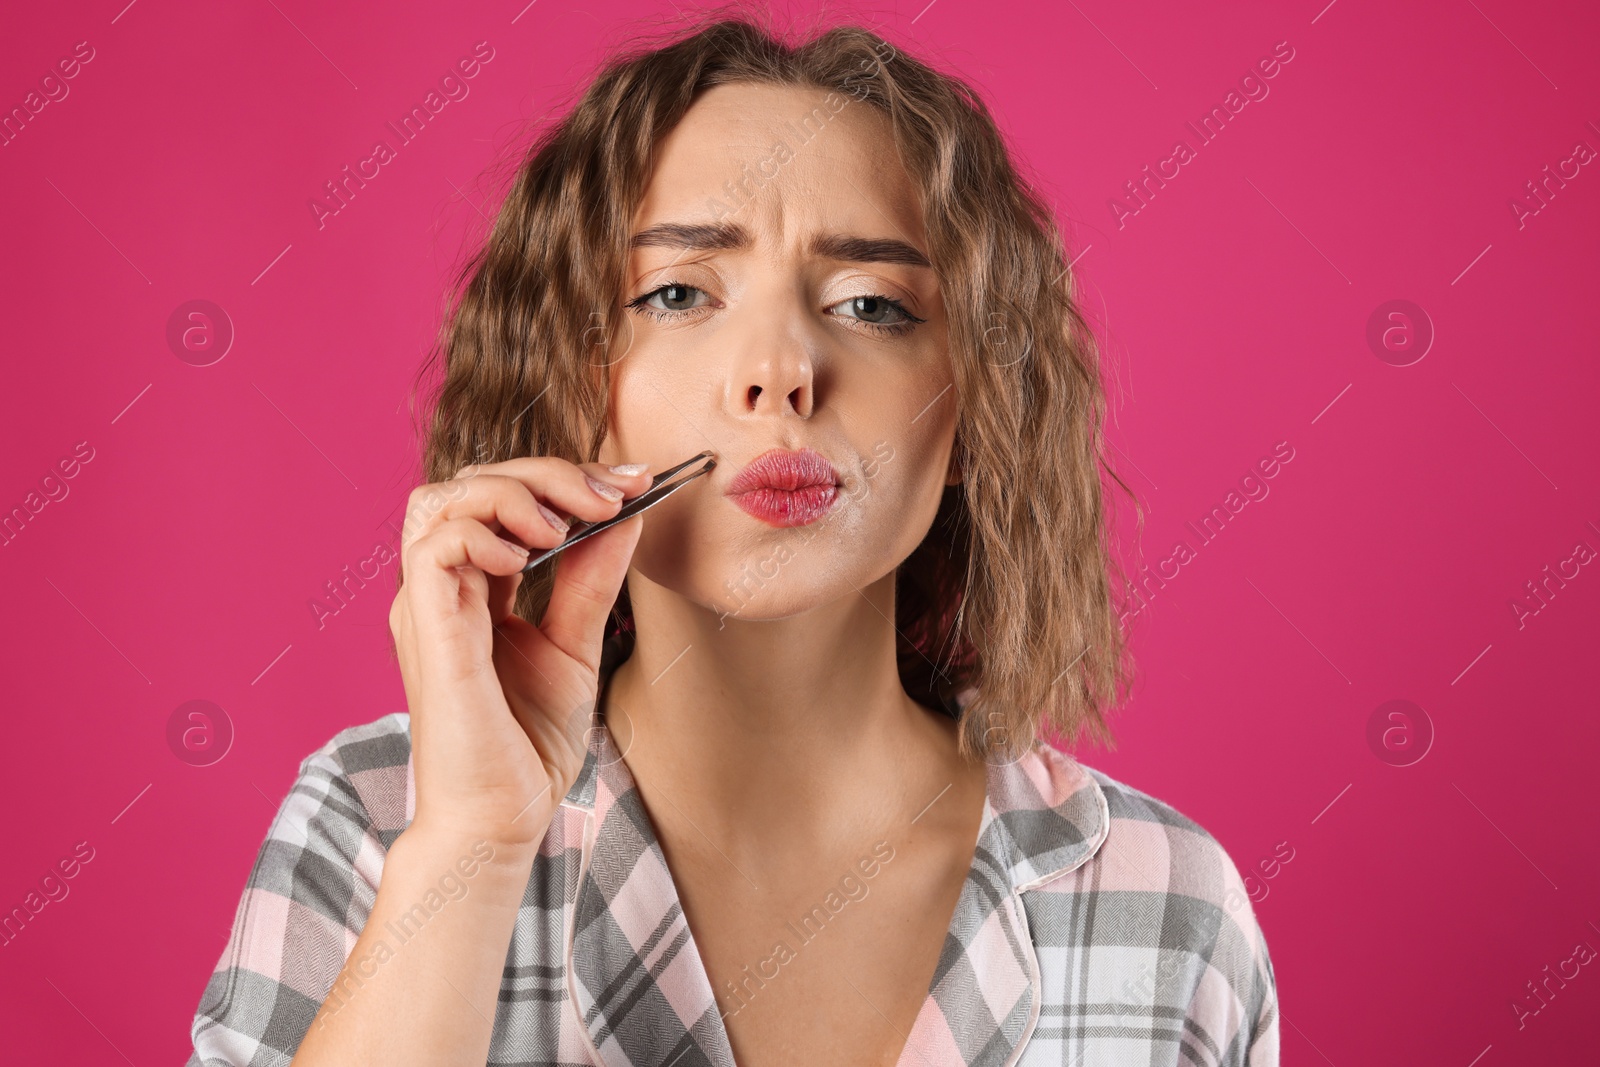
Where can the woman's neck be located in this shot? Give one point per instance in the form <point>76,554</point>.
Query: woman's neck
<point>783,730</point>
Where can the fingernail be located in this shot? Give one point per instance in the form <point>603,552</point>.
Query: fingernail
<point>553,519</point>
<point>518,549</point>
<point>629,468</point>
<point>609,492</point>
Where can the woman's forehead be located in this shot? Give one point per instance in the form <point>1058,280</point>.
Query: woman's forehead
<point>782,160</point>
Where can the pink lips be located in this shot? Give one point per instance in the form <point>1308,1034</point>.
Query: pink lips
<point>784,488</point>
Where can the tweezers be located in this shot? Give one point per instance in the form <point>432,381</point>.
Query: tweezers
<point>661,487</point>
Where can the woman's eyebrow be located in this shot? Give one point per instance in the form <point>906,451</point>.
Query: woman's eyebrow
<point>735,237</point>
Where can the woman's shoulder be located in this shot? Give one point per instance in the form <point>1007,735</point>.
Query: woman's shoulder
<point>1162,905</point>
<point>1160,848</point>
<point>364,772</point>
<point>1133,810</point>
<point>383,743</point>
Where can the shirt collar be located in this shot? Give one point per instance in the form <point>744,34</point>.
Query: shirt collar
<point>642,991</point>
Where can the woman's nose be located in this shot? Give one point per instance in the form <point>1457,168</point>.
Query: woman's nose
<point>763,398</point>
<point>773,380</point>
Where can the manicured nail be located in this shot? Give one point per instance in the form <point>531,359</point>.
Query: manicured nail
<point>601,489</point>
<point>629,468</point>
<point>518,549</point>
<point>553,519</point>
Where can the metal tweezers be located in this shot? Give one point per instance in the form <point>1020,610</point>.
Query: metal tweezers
<point>661,487</point>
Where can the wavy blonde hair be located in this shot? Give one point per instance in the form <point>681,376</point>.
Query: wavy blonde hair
<point>1010,605</point>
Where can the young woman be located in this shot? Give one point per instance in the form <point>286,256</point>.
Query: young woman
<point>758,777</point>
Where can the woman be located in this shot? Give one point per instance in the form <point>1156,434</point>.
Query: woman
<point>759,778</point>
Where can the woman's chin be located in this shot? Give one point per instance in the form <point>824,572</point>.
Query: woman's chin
<point>745,598</point>
<point>735,599</point>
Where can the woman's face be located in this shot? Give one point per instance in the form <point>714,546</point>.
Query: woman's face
<point>779,298</point>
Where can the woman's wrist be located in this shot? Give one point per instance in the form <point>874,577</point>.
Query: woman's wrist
<point>468,851</point>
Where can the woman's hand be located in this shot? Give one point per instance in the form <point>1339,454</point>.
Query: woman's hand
<point>500,709</point>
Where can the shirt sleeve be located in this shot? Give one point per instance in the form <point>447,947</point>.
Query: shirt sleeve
<point>304,905</point>
<point>1235,999</point>
<point>1262,1001</point>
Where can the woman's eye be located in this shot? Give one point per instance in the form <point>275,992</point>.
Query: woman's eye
<point>882,312</point>
<point>674,297</point>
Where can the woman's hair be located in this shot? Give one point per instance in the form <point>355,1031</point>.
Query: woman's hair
<point>1014,592</point>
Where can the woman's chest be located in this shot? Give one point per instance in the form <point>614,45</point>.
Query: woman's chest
<point>823,962</point>
<point>614,961</point>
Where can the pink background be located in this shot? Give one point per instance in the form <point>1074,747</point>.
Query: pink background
<point>1234,307</point>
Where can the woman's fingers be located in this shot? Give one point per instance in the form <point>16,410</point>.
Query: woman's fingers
<point>527,498</point>
<point>430,563</point>
<point>588,577</point>
<point>503,595</point>
<point>512,498</point>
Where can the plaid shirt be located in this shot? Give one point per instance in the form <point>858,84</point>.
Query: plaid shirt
<point>1096,926</point>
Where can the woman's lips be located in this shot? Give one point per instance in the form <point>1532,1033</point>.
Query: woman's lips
<point>784,488</point>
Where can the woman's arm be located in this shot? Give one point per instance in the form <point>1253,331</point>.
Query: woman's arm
<point>499,716</point>
<point>497,733</point>
<point>421,985</point>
